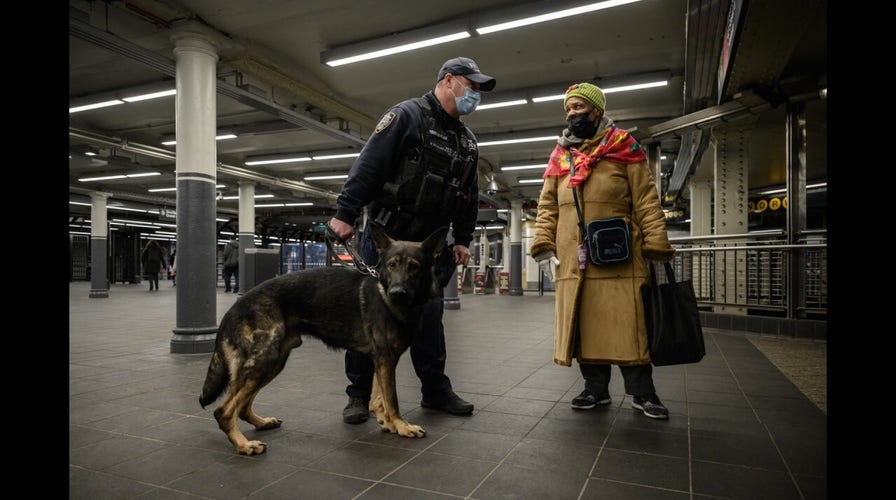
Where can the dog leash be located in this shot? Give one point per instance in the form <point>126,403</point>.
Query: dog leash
<point>360,265</point>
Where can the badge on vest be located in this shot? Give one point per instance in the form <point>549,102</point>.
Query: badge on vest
<point>384,123</point>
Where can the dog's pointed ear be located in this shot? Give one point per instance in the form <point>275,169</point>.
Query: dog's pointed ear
<point>435,242</point>
<point>381,240</point>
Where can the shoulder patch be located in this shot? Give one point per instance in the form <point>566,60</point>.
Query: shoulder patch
<point>384,123</point>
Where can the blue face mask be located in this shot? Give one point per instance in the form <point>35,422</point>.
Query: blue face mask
<point>468,102</point>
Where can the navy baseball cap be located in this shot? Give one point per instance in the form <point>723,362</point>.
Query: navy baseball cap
<point>466,67</point>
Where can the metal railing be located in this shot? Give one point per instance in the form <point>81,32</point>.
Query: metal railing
<point>760,272</point>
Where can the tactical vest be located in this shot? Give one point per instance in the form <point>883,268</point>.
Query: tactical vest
<point>429,186</point>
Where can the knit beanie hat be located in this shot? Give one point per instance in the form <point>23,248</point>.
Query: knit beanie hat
<point>587,91</point>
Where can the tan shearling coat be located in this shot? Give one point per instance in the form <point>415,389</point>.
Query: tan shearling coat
<point>599,316</point>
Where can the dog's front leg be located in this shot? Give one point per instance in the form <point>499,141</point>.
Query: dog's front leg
<point>376,401</point>
<point>392,420</point>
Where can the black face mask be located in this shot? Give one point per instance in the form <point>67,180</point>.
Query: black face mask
<point>582,127</point>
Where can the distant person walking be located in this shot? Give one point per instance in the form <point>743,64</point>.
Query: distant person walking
<point>232,264</point>
<point>173,270</point>
<point>153,260</point>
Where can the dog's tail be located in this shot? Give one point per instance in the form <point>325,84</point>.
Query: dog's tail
<point>216,379</point>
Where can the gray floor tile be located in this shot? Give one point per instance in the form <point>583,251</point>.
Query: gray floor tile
<point>738,427</point>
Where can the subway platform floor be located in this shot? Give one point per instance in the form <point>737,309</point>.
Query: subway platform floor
<point>740,428</point>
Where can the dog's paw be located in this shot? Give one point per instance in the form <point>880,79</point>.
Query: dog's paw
<point>412,431</point>
<point>409,430</point>
<point>269,423</point>
<point>252,448</point>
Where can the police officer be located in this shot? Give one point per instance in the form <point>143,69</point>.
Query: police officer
<point>417,173</point>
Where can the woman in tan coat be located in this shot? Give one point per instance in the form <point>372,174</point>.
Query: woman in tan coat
<point>599,315</point>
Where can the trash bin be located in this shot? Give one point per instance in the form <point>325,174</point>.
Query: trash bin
<point>261,264</point>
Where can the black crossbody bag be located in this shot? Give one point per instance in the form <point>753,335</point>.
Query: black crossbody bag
<point>606,241</point>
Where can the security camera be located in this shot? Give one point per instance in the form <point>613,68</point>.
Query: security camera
<point>492,187</point>
<point>219,195</point>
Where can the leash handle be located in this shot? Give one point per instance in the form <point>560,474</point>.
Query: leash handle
<point>360,265</point>
<point>330,234</point>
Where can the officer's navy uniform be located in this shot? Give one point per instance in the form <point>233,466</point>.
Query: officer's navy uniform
<point>416,173</point>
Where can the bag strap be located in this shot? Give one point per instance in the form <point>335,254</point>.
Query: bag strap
<point>575,200</point>
<point>670,273</point>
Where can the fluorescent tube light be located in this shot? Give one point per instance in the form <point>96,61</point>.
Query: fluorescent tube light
<point>236,197</point>
<point>524,167</point>
<point>126,209</point>
<point>552,15</point>
<point>517,141</point>
<point>293,159</point>
<point>334,157</point>
<point>784,190</point>
<point>608,90</point>
<point>95,105</point>
<point>325,177</point>
<point>538,180</point>
<point>221,137</point>
<point>119,176</point>
<point>152,95</point>
<point>80,203</point>
<point>400,48</point>
<point>302,204</point>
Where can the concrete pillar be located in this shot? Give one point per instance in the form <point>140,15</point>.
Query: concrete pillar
<point>516,248</point>
<point>99,246</point>
<point>247,230</point>
<point>196,164</point>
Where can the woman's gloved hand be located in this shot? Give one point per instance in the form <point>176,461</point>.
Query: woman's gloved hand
<point>548,263</point>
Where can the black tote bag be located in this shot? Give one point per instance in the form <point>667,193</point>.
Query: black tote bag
<point>674,332</point>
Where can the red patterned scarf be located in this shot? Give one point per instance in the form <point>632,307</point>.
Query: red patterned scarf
<point>619,147</point>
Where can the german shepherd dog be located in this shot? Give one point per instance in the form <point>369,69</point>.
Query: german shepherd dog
<point>345,309</point>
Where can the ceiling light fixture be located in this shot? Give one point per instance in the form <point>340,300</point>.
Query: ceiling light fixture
<point>334,157</point>
<point>523,167</point>
<point>784,190</point>
<point>326,177</point>
<point>119,176</point>
<point>608,90</point>
<point>221,137</point>
<point>530,180</point>
<point>395,49</point>
<point>550,16</point>
<point>444,33</point>
<point>151,95</point>
<point>517,141</point>
<point>95,105</point>
<point>280,159</point>
<point>504,104</point>
<point>236,197</point>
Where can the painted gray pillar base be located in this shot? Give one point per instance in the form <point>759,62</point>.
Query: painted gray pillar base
<point>516,269</point>
<point>193,340</point>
